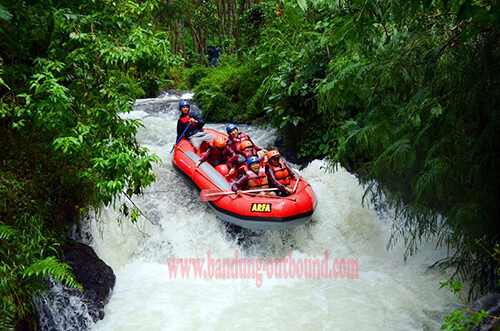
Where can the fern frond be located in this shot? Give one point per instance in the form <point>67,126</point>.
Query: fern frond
<point>7,231</point>
<point>50,266</point>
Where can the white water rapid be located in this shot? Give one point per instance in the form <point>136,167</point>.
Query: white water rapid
<point>388,295</point>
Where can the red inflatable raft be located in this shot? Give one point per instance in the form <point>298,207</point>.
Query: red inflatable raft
<point>247,210</point>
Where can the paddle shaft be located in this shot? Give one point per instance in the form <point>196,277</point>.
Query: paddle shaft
<point>182,135</point>
<point>249,191</point>
<point>298,178</point>
<point>209,195</point>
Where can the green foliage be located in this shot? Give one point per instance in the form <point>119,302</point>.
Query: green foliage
<point>425,125</point>
<point>291,58</point>
<point>251,24</point>
<point>466,319</point>
<point>196,74</point>
<point>457,321</point>
<point>406,94</point>
<point>67,72</point>
<point>224,93</point>
<point>50,267</point>
<point>27,258</point>
<point>178,79</point>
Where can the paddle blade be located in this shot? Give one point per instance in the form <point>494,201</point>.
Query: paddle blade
<point>212,195</point>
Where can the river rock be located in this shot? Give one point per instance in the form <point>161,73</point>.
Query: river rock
<point>64,308</point>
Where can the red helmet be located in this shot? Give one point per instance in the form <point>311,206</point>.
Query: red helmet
<point>272,154</point>
<point>246,143</point>
<point>220,142</point>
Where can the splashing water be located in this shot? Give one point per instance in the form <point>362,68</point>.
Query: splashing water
<point>389,293</point>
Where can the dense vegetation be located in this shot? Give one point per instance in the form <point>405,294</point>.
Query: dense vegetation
<point>66,71</point>
<point>403,93</point>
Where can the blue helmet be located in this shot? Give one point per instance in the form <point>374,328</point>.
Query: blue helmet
<point>184,103</point>
<point>252,159</point>
<point>231,126</point>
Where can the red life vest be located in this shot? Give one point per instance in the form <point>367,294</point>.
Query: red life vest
<point>236,141</point>
<point>259,180</point>
<point>247,153</point>
<point>218,155</point>
<point>242,167</point>
<point>281,173</point>
<point>185,121</point>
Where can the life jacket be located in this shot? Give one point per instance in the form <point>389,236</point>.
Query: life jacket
<point>185,121</point>
<point>242,167</point>
<point>281,173</point>
<point>218,154</point>
<point>247,153</point>
<point>259,180</point>
<point>236,141</point>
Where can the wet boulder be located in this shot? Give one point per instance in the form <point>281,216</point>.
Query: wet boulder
<point>64,308</point>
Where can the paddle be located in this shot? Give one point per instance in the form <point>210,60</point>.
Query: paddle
<point>216,194</point>
<point>298,179</point>
<point>182,135</point>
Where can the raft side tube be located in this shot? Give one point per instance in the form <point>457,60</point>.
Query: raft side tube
<point>259,223</point>
<point>210,171</point>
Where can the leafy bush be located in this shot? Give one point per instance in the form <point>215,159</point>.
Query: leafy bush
<point>22,274</point>
<point>196,74</point>
<point>224,93</point>
<point>405,94</point>
<point>67,73</point>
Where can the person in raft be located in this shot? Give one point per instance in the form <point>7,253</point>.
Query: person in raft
<point>217,153</point>
<point>194,133</point>
<point>254,179</point>
<point>247,149</point>
<point>278,173</point>
<point>236,138</point>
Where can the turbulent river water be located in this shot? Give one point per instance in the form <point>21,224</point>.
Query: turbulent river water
<point>387,294</point>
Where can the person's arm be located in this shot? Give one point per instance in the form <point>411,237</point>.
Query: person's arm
<point>204,157</point>
<point>272,179</point>
<point>257,148</point>
<point>180,129</point>
<point>229,152</point>
<point>232,163</point>
<point>240,184</point>
<point>200,123</point>
<point>290,171</point>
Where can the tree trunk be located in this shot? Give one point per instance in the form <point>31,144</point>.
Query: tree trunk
<point>237,35</point>
<point>176,37</point>
<point>221,13</point>
<point>230,20</point>
<point>180,38</point>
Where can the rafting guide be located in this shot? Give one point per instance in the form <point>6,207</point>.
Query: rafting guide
<point>190,126</point>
